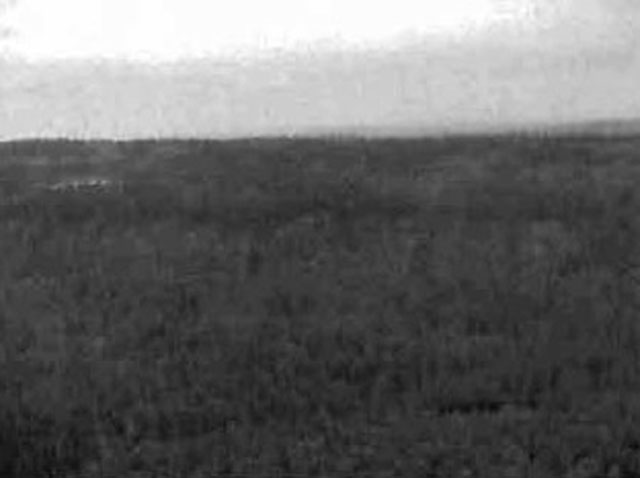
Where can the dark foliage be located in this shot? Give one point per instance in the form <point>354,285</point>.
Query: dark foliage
<point>453,307</point>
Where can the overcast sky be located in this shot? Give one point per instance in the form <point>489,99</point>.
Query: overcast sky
<point>132,68</point>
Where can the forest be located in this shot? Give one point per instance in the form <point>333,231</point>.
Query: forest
<point>337,307</point>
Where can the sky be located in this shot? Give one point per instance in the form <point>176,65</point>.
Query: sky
<point>207,68</point>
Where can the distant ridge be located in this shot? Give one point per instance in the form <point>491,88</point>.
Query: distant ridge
<point>601,128</point>
<point>593,128</point>
<point>614,128</point>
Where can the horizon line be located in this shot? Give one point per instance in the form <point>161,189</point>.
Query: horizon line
<point>400,131</point>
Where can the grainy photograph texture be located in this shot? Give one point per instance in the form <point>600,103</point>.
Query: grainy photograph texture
<point>310,238</point>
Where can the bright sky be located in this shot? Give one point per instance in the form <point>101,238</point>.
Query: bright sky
<point>374,63</point>
<point>178,29</point>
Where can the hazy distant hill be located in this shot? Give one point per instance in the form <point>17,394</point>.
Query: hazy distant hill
<point>598,128</point>
<point>605,128</point>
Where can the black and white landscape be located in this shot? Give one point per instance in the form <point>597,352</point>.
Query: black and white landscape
<point>308,238</point>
